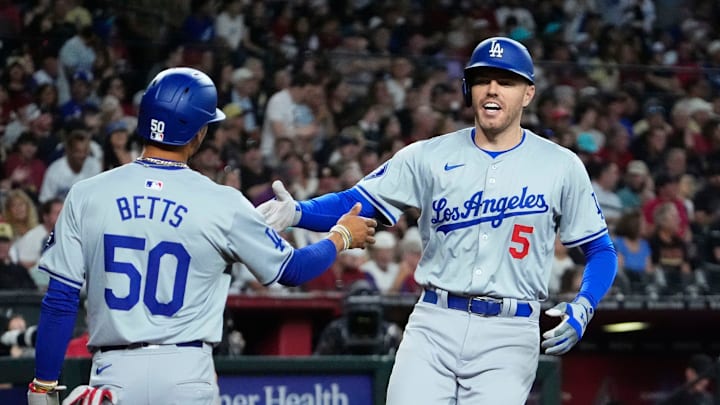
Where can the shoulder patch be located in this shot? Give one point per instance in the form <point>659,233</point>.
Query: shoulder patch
<point>378,172</point>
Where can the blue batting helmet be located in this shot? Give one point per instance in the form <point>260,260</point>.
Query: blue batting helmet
<point>177,103</point>
<point>499,53</point>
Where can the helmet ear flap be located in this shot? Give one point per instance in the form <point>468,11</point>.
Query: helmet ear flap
<point>467,95</point>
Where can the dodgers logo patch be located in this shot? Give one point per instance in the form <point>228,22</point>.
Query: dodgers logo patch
<point>380,171</point>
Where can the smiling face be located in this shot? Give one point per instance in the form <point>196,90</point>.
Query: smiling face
<point>498,98</point>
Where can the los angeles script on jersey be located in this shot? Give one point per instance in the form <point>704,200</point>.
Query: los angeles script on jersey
<point>152,208</point>
<point>493,210</point>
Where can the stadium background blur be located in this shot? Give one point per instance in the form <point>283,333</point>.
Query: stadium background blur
<point>632,86</point>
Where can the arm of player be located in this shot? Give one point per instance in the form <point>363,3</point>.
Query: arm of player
<point>318,214</point>
<point>598,276</point>
<point>352,231</point>
<point>57,319</point>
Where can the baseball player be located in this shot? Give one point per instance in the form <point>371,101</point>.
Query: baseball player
<point>492,198</point>
<point>150,241</point>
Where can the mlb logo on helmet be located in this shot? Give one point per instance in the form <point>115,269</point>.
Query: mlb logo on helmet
<point>153,184</point>
<point>157,129</point>
<point>496,50</point>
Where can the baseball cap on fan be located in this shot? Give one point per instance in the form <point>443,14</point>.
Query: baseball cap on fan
<point>637,167</point>
<point>6,232</point>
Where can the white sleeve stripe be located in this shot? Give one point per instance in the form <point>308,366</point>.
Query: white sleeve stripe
<point>378,205</point>
<point>61,278</point>
<point>283,266</point>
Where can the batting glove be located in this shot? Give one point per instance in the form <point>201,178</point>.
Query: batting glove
<point>44,394</point>
<point>87,395</point>
<point>575,317</point>
<point>279,212</point>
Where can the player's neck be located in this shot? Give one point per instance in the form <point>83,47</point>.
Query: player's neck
<point>498,142</point>
<point>177,155</point>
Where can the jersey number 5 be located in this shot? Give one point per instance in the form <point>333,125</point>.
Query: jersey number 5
<point>518,236</point>
<point>182,257</point>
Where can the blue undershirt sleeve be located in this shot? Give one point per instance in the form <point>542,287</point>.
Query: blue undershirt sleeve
<point>321,213</point>
<point>58,312</point>
<point>308,263</point>
<point>600,269</point>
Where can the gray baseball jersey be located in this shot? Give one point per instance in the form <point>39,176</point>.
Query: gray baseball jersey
<point>488,225</point>
<point>152,243</point>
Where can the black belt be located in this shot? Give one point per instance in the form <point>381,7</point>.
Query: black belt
<point>138,345</point>
<point>477,305</point>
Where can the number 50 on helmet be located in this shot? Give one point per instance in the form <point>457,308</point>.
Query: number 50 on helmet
<point>177,103</point>
<point>499,53</point>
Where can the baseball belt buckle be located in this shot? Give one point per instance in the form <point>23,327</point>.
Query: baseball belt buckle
<point>486,301</point>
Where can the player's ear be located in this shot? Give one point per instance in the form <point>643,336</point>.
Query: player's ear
<point>529,94</point>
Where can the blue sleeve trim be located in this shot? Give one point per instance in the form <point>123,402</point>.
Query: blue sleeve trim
<point>74,283</point>
<point>58,312</point>
<point>283,267</point>
<point>321,213</point>
<point>308,263</point>
<point>378,204</point>
<point>585,239</point>
<point>600,269</point>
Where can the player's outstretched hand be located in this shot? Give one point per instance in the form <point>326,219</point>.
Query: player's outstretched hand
<point>575,317</point>
<point>279,212</point>
<point>361,230</point>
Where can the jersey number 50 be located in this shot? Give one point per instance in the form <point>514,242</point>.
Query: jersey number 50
<point>113,242</point>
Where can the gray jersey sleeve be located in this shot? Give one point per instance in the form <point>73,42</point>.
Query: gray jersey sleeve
<point>65,251</point>
<point>396,185</point>
<point>254,243</point>
<point>582,220</point>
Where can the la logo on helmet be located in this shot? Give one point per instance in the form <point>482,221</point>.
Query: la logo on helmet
<point>496,51</point>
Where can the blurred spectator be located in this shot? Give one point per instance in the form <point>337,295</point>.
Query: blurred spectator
<point>342,274</point>
<point>198,26</point>
<point>244,88</point>
<point>400,80</point>
<point>22,167</point>
<point>605,176</point>
<point>207,161</point>
<point>670,253</point>
<point>707,200</point>
<point>12,276</point>
<point>17,323</point>
<point>75,165</point>
<point>19,211</point>
<point>382,268</point>
<point>281,116</point>
<point>78,52</point>
<point>118,146</point>
<point>115,86</point>
<point>230,27</point>
<point>666,190</point>
<point>361,329</point>
<point>638,186</point>
<point>636,270</point>
<point>651,147</point>
<point>299,174</point>
<point>699,373</point>
<point>410,253</point>
<point>80,95</point>
<point>616,148</point>
<point>256,176</point>
<point>561,264</point>
<point>28,247</point>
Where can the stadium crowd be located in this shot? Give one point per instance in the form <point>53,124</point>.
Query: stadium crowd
<point>318,93</point>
